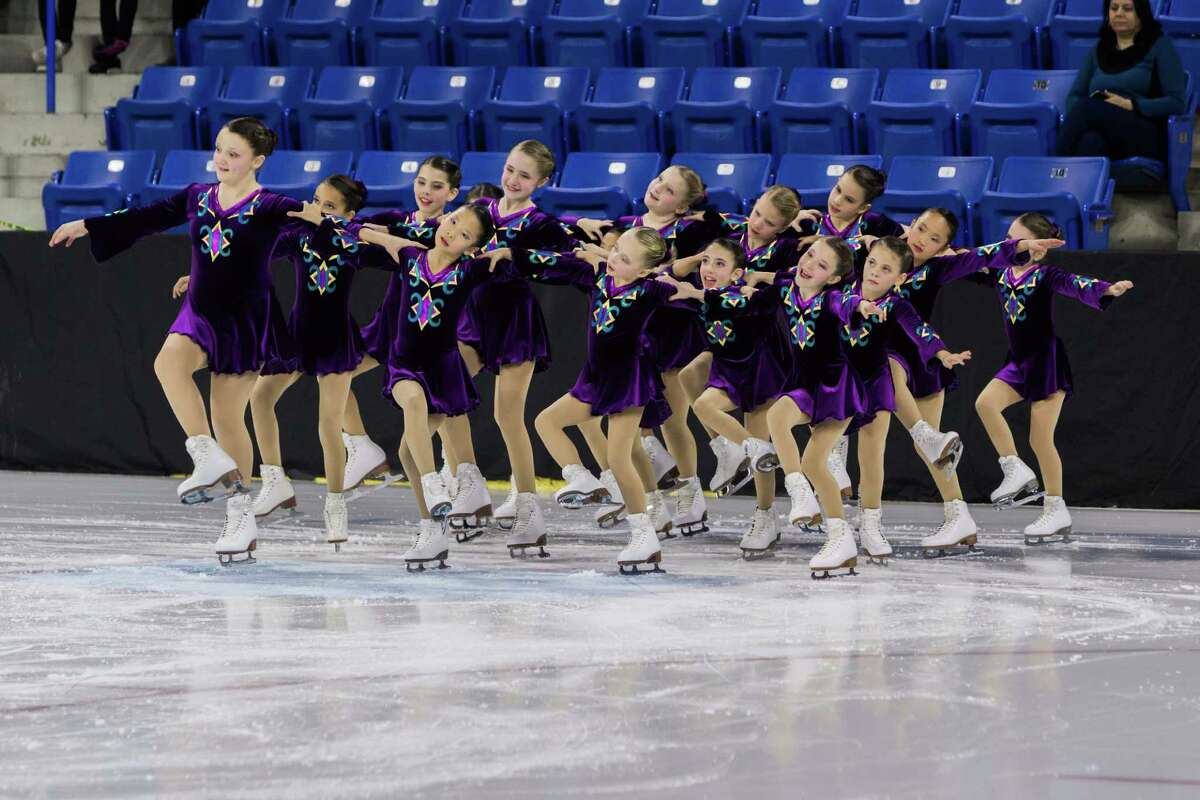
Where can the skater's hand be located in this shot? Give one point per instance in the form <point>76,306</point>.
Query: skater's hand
<point>374,226</point>
<point>68,232</point>
<point>805,215</point>
<point>594,228</point>
<point>754,277</point>
<point>868,309</point>
<point>951,360</point>
<point>1037,248</point>
<point>311,212</point>
<point>181,286</point>
<point>1119,288</point>
<point>683,291</point>
<point>392,244</point>
<point>494,257</point>
<point>592,254</point>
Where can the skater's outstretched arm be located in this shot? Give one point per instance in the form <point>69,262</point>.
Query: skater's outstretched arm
<point>115,232</point>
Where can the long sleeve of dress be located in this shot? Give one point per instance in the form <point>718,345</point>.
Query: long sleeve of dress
<point>989,256</point>
<point>928,343</point>
<point>843,304</point>
<point>1089,291</point>
<point>398,224</point>
<point>558,269</point>
<point>1172,79</point>
<point>113,233</point>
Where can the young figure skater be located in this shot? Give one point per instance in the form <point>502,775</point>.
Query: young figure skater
<point>1037,372</point>
<point>229,322</point>
<point>618,380</point>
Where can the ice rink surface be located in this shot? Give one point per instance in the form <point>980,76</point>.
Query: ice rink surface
<point>133,665</point>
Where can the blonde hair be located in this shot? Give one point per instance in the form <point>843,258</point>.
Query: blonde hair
<point>540,154</point>
<point>785,201</point>
<point>653,244</point>
<point>694,184</point>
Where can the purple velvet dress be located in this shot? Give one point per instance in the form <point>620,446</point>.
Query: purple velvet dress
<point>378,333</point>
<point>1037,365</point>
<point>752,362</point>
<point>230,309</point>
<point>867,342</point>
<point>424,346</point>
<point>619,372</point>
<point>778,255</point>
<point>921,288</point>
<point>869,224</point>
<point>503,320</point>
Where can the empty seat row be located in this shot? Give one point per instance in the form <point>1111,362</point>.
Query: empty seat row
<point>880,34</point>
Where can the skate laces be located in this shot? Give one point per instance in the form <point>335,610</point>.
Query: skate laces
<point>524,514</point>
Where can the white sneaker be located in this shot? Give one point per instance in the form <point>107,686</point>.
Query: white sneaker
<point>614,511</point>
<point>959,528</point>
<point>762,455</point>
<point>432,544</point>
<point>659,514</point>
<point>806,511</point>
<point>364,460</point>
<point>940,449</point>
<point>529,528</point>
<point>1053,524</point>
<point>643,547</point>
<point>240,533</point>
<point>666,471</point>
<point>472,506</point>
<point>437,499</point>
<point>507,512</point>
<point>691,509</point>
<point>582,488</point>
<point>839,551</point>
<point>337,521</point>
<point>837,465</point>
<point>40,59</point>
<point>1020,484</point>
<point>212,466</point>
<point>870,535</point>
<point>763,535</point>
<point>276,491</point>
<point>731,459</point>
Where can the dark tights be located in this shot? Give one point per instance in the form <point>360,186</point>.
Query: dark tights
<point>1096,128</point>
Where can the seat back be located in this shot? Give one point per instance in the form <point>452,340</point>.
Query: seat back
<point>471,86</point>
<point>813,175</point>
<point>854,88</point>
<point>830,12</point>
<point>127,170</point>
<point>601,184</point>
<point>1020,113</point>
<point>481,167</point>
<point>388,176</point>
<point>193,85</point>
<point>566,86</point>
<point>1030,86</point>
<point>733,180</point>
<point>757,87</point>
<point>957,88</point>
<point>916,183</point>
<point>440,11</point>
<point>887,34</point>
<point>183,167</point>
<point>377,86</point>
<point>230,32</point>
<point>660,87</point>
<point>351,12</point>
<point>690,33</point>
<point>531,11</point>
<point>629,12</point>
<point>261,11</point>
<point>296,173</point>
<point>727,12</point>
<point>288,86</point>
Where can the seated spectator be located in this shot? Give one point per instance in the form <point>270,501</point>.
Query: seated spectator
<point>64,27</point>
<point>1131,82</point>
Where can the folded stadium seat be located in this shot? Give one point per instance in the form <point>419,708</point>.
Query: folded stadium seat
<point>916,183</point>
<point>1150,175</point>
<point>691,33</point>
<point>164,112</point>
<point>821,111</point>
<point>180,169</point>
<point>601,185</point>
<point>591,33</point>
<point>230,33</point>
<point>812,176</point>
<point>437,114</point>
<point>733,180</point>
<point>628,109</point>
<point>270,93</point>
<point>320,33</point>
<point>389,177</point>
<point>343,111</point>
<point>791,33</point>
<point>1181,21</point>
<point>996,34</point>
<point>920,112</point>
<point>296,173</point>
<point>1020,112</point>
<point>531,105</point>
<point>495,33</point>
<point>96,183</point>
<point>481,167</point>
<point>723,110</point>
<point>407,33</point>
<point>885,34</point>
<point>1074,192</point>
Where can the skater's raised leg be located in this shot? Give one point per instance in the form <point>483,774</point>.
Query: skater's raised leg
<point>693,379</point>
<point>675,431</point>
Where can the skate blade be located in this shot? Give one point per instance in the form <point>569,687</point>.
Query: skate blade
<point>631,568</point>
<point>229,560</point>
<point>950,461</point>
<point>522,550</point>
<point>960,549</point>
<point>612,517</point>
<point>694,528</point>
<point>767,464</point>
<point>826,574</point>
<point>577,500</point>
<point>362,490</point>
<point>479,518</point>
<point>669,480</point>
<point>735,486</point>
<point>880,560</point>
<point>464,535</point>
<point>418,565</point>
<point>504,523</point>
<point>1058,537</point>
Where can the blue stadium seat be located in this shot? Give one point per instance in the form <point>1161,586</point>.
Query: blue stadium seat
<point>628,109</point>
<point>1148,174</point>
<point>296,173</point>
<point>437,114</point>
<point>919,112</point>
<point>389,177</point>
<point>496,33</point>
<point>885,34</point>
<point>96,183</point>
<point>1074,192</point>
<point>724,108</point>
<point>164,112</point>
<point>591,33</point>
<point>180,168</point>
<point>733,180</point>
<point>1020,112</point>
<point>270,93</point>
<point>481,167</point>
<point>996,34</point>
<point>791,33</point>
<point>320,33</point>
<point>916,183</point>
<point>812,176</point>
<point>601,185</point>
<point>531,105</point>
<point>821,111</point>
<point>690,33</point>
<point>230,33</point>
<point>342,111</point>
<point>407,33</point>
<point>1181,21</point>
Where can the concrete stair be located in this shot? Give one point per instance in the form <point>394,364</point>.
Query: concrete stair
<point>21,33</point>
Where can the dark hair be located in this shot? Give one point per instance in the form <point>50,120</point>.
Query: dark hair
<point>262,139</point>
<point>732,248</point>
<point>1146,36</point>
<point>949,217</point>
<point>353,192</point>
<point>845,256</point>
<point>1039,225</point>
<point>487,228</point>
<point>899,248</point>
<point>484,189</point>
<point>870,179</point>
<point>443,164</point>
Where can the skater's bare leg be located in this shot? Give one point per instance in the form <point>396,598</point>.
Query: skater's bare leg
<point>353,422</point>
<point>177,360</point>
<point>713,407</point>
<point>457,447</point>
<point>694,378</point>
<point>410,468</point>
<point>229,396</point>
<point>512,390</point>
<point>593,434</point>
<point>990,405</point>
<point>623,432</point>
<point>333,390</point>
<point>782,417</point>
<point>815,467</point>
<point>1043,420</point>
<point>411,398</point>
<point>676,434</point>
<point>263,399</point>
<point>872,440</point>
<point>552,423</point>
<point>644,466</point>
<point>764,482</point>
<point>906,405</point>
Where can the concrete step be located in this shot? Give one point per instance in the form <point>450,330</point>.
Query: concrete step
<point>1143,222</point>
<point>75,92</point>
<point>51,134</point>
<point>144,51</point>
<point>24,176</point>
<point>18,212</point>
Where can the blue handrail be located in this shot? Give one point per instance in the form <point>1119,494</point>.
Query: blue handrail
<point>51,66</point>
